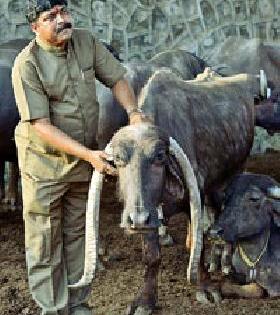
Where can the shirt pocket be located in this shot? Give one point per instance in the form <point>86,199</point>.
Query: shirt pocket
<point>54,91</point>
<point>86,87</point>
<point>88,74</point>
<point>41,166</point>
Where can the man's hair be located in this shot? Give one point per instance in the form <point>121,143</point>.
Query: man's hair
<point>35,7</point>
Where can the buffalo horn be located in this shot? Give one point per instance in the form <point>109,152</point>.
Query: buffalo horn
<point>92,228</point>
<point>195,206</point>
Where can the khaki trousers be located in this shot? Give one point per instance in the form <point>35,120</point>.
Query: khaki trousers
<point>54,216</point>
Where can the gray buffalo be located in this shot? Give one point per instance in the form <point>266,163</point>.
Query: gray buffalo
<point>240,55</point>
<point>250,221</point>
<point>202,133</point>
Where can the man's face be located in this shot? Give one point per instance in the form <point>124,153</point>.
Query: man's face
<point>54,26</point>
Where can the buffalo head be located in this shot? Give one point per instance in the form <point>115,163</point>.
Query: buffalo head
<point>251,203</point>
<point>147,172</point>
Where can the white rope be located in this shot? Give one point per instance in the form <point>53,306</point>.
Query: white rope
<point>263,85</point>
<point>92,228</point>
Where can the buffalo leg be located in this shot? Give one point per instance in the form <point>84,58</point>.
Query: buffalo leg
<point>221,256</point>
<point>226,261</point>
<point>2,182</point>
<point>12,189</point>
<point>147,297</point>
<point>215,257</point>
<point>165,239</point>
<point>207,290</point>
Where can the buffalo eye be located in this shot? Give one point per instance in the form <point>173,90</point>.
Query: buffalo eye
<point>159,158</point>
<point>255,196</point>
<point>120,159</point>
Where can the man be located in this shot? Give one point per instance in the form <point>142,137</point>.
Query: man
<point>54,84</point>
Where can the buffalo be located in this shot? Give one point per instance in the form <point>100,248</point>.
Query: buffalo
<point>240,55</point>
<point>9,118</point>
<point>250,223</point>
<point>200,134</point>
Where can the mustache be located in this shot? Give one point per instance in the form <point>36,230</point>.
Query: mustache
<point>63,27</point>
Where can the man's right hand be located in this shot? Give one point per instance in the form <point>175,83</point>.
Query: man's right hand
<point>98,159</point>
<point>61,141</point>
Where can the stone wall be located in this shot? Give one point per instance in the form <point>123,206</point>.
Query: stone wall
<point>141,28</point>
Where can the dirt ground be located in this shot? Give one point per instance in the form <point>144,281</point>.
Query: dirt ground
<point>115,286</point>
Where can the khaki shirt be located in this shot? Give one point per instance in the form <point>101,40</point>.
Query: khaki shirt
<point>60,85</point>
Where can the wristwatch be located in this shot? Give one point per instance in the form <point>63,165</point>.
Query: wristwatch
<point>134,111</point>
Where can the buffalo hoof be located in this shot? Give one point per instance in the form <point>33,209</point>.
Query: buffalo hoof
<point>213,267</point>
<point>100,266</point>
<point>201,297</point>
<point>141,307</point>
<point>139,310</point>
<point>143,311</point>
<point>208,297</point>
<point>226,270</point>
<point>217,297</point>
<point>165,239</point>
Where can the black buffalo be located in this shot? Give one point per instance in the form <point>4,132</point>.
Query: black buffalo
<point>212,120</point>
<point>242,55</point>
<point>9,118</point>
<point>250,221</point>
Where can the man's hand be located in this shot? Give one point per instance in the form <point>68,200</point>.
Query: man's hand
<point>136,118</point>
<point>124,94</point>
<point>61,141</point>
<point>98,159</point>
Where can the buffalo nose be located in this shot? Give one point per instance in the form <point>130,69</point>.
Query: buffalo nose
<point>139,219</point>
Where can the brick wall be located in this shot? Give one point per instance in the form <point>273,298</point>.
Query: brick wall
<point>141,28</point>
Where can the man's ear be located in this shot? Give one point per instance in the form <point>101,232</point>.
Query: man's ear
<point>34,27</point>
<point>174,184</point>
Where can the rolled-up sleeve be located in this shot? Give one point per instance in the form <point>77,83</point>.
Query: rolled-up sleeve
<point>30,96</point>
<point>108,69</point>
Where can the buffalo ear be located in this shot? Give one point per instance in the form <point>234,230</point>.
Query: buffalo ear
<point>174,184</point>
<point>274,194</point>
<point>276,211</point>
